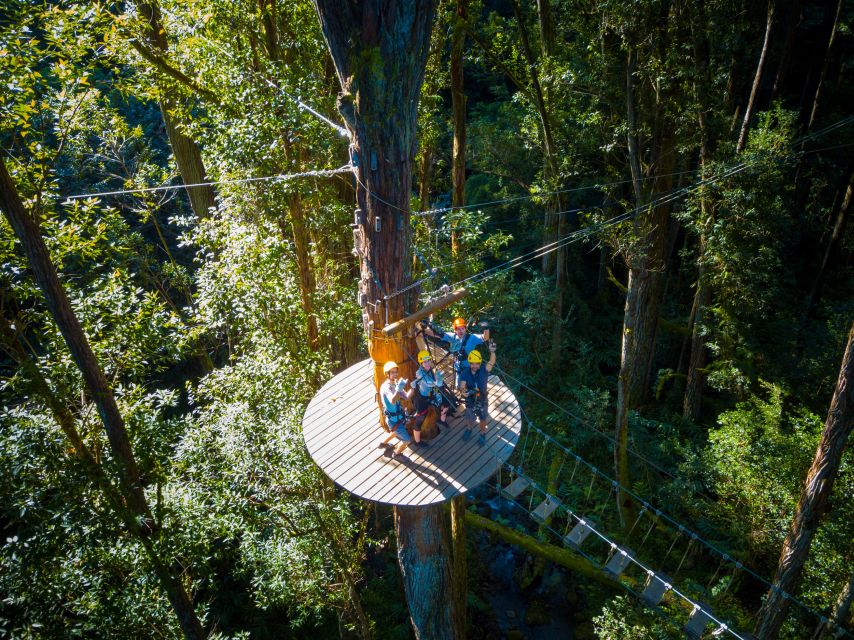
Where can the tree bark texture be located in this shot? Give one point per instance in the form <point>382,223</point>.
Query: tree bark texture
<point>188,157</point>
<point>380,52</point>
<point>840,609</point>
<point>458,108</point>
<point>307,282</point>
<point>757,79</point>
<point>817,98</point>
<point>422,553</point>
<point>459,570</point>
<point>69,326</point>
<point>813,502</point>
<point>647,266</point>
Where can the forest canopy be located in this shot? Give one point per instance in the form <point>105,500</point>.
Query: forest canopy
<point>647,202</point>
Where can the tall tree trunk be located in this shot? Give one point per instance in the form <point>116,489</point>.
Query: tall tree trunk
<point>459,573</point>
<point>458,107</point>
<point>692,404</point>
<point>817,98</point>
<point>547,26</point>
<point>840,610</point>
<point>792,23</point>
<point>380,53</point>
<point>307,282</point>
<point>100,391</point>
<point>188,157</point>
<point>757,79</point>
<point>428,152</point>
<point>829,251</point>
<point>547,33</point>
<point>301,236</point>
<point>647,268</point>
<point>813,502</point>
<point>695,380</point>
<point>267,9</point>
<point>425,176</point>
<point>632,133</point>
<point>555,219</point>
<point>550,222</point>
<point>422,553</point>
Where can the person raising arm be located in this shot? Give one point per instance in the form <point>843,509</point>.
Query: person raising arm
<point>473,389</point>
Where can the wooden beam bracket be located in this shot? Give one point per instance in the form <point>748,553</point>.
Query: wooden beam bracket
<point>424,312</point>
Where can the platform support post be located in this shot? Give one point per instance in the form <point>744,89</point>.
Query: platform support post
<point>422,553</point>
<point>459,573</point>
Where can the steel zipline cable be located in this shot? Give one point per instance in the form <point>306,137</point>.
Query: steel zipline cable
<point>283,177</point>
<point>668,198</point>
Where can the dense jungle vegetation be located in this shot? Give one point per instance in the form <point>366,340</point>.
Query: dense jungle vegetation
<point>689,161</point>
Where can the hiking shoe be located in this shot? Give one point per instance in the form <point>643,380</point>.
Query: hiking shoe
<point>442,423</point>
<point>418,445</point>
<point>481,439</point>
<point>388,451</point>
<point>398,456</point>
<point>466,435</point>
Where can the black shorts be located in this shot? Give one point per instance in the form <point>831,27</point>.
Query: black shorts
<point>422,402</point>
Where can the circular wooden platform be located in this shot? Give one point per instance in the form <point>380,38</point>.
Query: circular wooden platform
<point>342,432</point>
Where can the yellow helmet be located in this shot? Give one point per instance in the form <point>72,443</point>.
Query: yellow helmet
<point>475,357</point>
<point>388,366</point>
<point>424,355</point>
<point>459,322</point>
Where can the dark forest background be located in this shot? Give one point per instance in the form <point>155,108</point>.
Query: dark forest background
<point>691,163</point>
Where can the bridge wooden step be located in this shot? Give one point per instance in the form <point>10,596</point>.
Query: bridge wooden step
<point>515,488</point>
<point>698,621</point>
<point>657,584</point>
<point>619,562</point>
<point>545,509</point>
<point>579,533</point>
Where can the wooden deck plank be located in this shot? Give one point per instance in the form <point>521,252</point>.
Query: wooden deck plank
<point>334,398</point>
<point>459,462</point>
<point>471,461</point>
<point>350,377</point>
<point>342,431</point>
<point>447,454</point>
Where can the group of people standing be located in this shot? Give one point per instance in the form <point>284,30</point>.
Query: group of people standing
<point>428,389</point>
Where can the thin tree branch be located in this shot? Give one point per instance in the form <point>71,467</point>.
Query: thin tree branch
<point>162,65</point>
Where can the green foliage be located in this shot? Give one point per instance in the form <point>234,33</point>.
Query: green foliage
<point>622,619</point>
<point>202,326</point>
<point>756,463</point>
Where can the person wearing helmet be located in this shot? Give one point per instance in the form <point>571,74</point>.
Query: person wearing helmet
<point>472,387</point>
<point>392,391</point>
<point>462,343</point>
<point>428,382</point>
